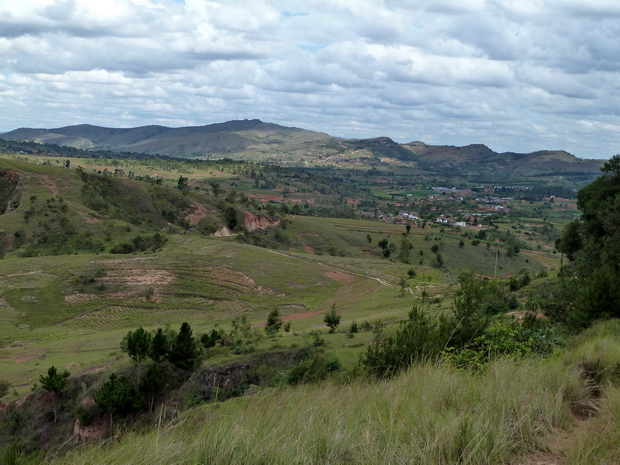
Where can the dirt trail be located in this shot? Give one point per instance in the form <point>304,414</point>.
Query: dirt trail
<point>355,287</point>
<point>557,444</point>
<point>50,184</point>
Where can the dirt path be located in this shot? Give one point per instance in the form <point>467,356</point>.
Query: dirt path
<point>354,288</point>
<point>51,185</point>
<point>557,444</point>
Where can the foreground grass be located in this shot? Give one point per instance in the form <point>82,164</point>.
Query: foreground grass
<point>432,414</point>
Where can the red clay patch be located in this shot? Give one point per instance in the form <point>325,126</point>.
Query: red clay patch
<point>25,358</point>
<point>341,277</point>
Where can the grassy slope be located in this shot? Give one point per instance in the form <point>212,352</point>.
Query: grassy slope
<point>432,414</point>
<point>429,415</point>
<point>47,306</point>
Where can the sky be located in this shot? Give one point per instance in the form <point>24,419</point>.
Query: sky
<point>515,75</point>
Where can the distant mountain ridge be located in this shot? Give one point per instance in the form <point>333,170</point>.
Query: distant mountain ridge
<point>259,141</point>
<point>180,142</point>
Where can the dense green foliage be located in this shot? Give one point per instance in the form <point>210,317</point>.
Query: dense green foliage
<point>54,381</point>
<point>183,348</point>
<point>418,339</point>
<point>593,245</point>
<point>274,321</point>
<point>148,204</point>
<point>116,395</point>
<point>502,340</point>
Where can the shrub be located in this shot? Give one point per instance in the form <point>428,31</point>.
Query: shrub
<point>332,319</point>
<point>418,338</point>
<point>503,340</point>
<point>274,321</point>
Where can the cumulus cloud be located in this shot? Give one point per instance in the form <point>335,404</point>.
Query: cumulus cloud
<point>518,76</point>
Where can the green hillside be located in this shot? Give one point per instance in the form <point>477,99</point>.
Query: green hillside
<point>254,140</point>
<point>254,258</point>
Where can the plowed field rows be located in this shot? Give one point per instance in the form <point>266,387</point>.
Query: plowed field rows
<point>129,317</point>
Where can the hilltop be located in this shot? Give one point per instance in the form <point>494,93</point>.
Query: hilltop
<point>241,135</point>
<point>257,141</point>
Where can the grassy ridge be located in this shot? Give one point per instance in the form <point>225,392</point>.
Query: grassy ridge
<point>430,415</point>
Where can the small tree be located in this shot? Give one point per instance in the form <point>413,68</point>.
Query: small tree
<point>404,285</point>
<point>182,184</point>
<point>54,382</point>
<point>469,316</point>
<point>332,319</point>
<point>241,326</point>
<point>209,340</point>
<point>274,322</point>
<point>160,345</point>
<point>138,345</point>
<point>115,396</point>
<point>153,384</point>
<point>419,338</point>
<point>183,351</point>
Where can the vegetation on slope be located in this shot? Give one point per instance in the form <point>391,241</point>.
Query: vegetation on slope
<point>467,334</point>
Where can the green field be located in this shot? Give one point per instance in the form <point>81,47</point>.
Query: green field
<point>87,257</point>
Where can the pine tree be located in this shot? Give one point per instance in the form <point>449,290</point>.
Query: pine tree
<point>153,384</point>
<point>160,346</point>
<point>274,322</point>
<point>115,396</point>
<point>332,319</point>
<point>137,344</point>
<point>54,382</point>
<point>183,351</point>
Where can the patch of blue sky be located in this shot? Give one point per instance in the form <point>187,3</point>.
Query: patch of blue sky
<point>313,48</point>
<point>290,14</point>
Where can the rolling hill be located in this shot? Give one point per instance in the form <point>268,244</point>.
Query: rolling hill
<point>179,142</point>
<point>267,142</point>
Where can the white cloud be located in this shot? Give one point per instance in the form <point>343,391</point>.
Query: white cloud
<point>517,76</point>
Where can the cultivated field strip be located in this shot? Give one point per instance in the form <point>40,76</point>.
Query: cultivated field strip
<point>129,317</point>
<point>76,300</point>
<point>230,306</point>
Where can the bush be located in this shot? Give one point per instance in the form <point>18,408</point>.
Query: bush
<point>274,321</point>
<point>314,368</point>
<point>503,340</point>
<point>418,338</point>
<point>332,319</point>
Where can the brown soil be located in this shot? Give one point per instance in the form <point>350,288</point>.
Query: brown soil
<point>26,357</point>
<point>341,277</point>
<point>199,212</point>
<point>96,369</point>
<point>556,444</point>
<point>138,276</point>
<point>351,292</point>
<point>47,182</point>
<point>252,221</point>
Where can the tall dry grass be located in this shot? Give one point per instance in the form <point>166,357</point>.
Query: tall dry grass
<point>432,414</point>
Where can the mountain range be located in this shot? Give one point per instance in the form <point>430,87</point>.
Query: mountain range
<point>258,141</point>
